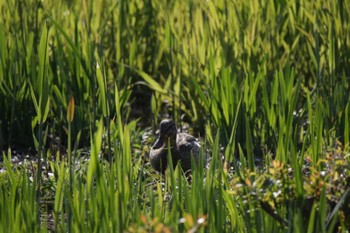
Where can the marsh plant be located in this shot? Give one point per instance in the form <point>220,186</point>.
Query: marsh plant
<point>263,84</point>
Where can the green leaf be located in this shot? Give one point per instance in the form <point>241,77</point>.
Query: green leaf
<point>35,102</point>
<point>96,143</point>
<point>60,189</point>
<point>43,88</point>
<point>102,92</point>
<point>151,82</point>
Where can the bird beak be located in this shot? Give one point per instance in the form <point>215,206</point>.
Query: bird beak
<point>158,144</point>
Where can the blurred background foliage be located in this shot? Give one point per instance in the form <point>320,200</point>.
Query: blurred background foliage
<point>267,65</point>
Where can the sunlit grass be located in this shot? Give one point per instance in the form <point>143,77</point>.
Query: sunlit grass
<point>264,84</point>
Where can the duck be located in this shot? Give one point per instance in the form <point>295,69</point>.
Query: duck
<point>183,147</point>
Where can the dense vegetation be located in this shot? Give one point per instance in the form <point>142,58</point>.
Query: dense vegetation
<point>265,85</point>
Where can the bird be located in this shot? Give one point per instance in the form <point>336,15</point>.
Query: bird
<point>182,147</point>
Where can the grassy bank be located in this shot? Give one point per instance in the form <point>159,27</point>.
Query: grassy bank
<point>264,84</point>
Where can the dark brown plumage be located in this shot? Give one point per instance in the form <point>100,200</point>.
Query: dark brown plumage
<point>182,147</point>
